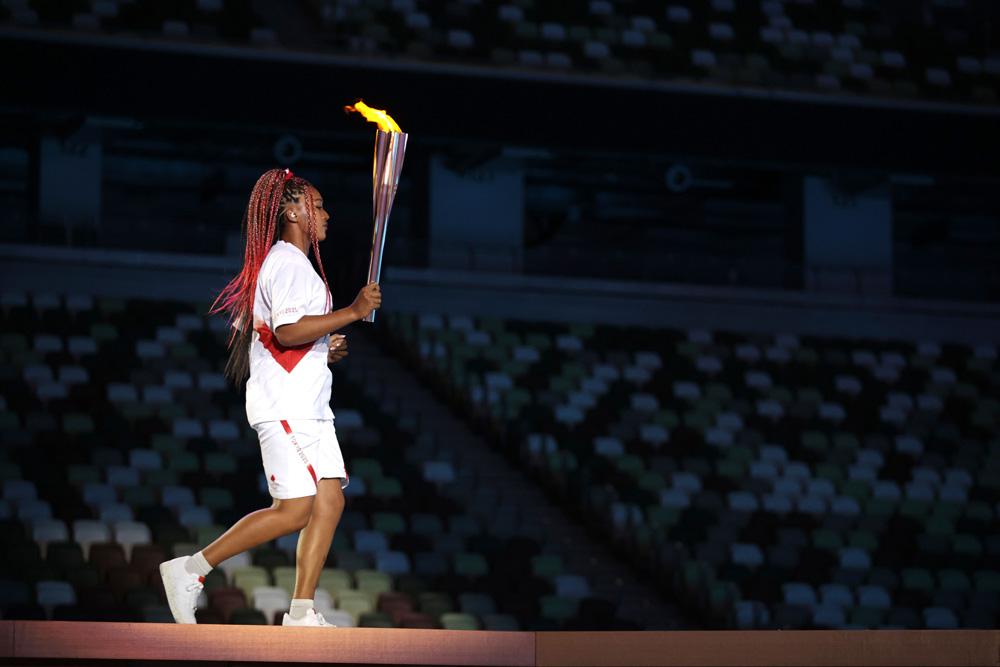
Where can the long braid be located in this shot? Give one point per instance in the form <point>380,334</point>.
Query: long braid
<point>263,225</point>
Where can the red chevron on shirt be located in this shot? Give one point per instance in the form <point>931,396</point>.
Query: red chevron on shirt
<point>287,357</point>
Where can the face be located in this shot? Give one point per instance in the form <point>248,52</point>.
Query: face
<point>320,214</point>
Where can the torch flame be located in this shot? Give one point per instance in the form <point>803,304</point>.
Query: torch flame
<point>377,116</point>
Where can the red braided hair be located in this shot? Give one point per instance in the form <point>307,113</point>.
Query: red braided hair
<point>263,224</point>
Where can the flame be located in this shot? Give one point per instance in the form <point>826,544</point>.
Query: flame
<point>377,116</point>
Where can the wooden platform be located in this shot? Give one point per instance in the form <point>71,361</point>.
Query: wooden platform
<point>46,643</point>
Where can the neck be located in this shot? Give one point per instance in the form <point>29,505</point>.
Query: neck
<point>298,239</point>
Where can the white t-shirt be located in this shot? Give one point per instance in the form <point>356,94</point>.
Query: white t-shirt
<point>287,382</point>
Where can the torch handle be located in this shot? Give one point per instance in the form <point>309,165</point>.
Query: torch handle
<point>390,148</point>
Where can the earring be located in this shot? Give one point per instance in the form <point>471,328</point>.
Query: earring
<point>293,215</point>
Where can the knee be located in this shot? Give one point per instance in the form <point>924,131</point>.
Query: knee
<point>296,514</point>
<point>300,520</point>
<point>337,503</point>
<point>330,505</point>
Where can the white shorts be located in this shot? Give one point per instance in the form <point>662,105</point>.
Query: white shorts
<point>297,453</point>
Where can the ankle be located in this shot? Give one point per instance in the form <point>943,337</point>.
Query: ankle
<point>198,565</point>
<point>299,608</point>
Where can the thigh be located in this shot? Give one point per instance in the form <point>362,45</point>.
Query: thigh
<point>283,449</point>
<point>328,455</point>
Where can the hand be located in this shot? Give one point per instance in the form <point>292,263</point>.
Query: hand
<point>338,348</point>
<point>369,299</point>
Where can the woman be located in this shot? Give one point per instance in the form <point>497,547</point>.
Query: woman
<point>282,321</point>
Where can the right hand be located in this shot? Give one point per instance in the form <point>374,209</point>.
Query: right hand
<point>368,299</point>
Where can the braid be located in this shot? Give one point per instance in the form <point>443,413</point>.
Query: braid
<point>263,224</point>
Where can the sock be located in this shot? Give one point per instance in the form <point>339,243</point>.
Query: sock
<point>299,608</point>
<point>198,565</point>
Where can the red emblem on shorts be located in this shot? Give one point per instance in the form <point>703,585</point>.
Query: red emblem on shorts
<point>272,478</point>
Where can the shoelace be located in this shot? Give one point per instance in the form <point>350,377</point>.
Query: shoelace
<point>195,589</point>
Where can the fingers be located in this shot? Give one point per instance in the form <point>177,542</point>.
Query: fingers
<point>374,295</point>
<point>369,299</point>
<point>338,342</point>
<point>337,349</point>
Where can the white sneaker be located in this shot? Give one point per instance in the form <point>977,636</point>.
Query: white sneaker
<point>182,587</point>
<point>312,618</point>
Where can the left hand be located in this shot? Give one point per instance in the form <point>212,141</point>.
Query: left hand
<point>338,348</point>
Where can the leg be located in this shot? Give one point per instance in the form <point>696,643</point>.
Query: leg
<point>183,577</point>
<point>281,518</point>
<point>183,585</point>
<point>316,537</point>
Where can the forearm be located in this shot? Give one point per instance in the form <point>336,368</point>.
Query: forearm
<point>312,327</point>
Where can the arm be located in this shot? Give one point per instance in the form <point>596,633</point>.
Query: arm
<point>311,327</point>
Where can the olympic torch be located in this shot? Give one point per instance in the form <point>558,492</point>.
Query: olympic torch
<point>390,147</point>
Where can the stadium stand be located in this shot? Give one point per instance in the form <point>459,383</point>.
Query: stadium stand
<point>748,480</point>
<point>764,481</point>
<point>130,448</point>
<point>902,50</point>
